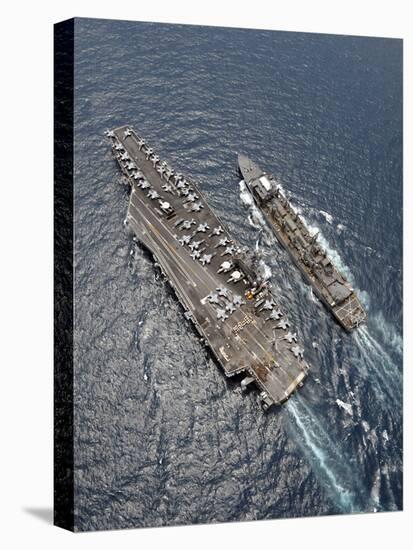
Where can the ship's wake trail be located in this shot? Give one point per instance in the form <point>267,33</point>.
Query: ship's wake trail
<point>326,459</point>
<point>381,368</point>
<point>244,194</point>
<point>387,333</point>
<point>255,217</point>
<point>312,297</point>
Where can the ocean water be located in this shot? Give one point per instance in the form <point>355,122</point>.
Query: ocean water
<point>161,436</point>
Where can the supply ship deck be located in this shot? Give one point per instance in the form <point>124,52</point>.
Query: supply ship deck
<point>217,281</point>
<point>317,268</point>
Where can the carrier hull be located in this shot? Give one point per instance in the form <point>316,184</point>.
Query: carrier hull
<point>214,279</point>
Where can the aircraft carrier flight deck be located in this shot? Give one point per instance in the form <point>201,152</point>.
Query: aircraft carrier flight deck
<point>217,281</point>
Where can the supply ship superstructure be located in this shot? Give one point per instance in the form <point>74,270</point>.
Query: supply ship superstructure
<point>308,255</point>
<point>217,281</point>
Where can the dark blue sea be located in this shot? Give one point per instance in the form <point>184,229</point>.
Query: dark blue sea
<point>161,436</point>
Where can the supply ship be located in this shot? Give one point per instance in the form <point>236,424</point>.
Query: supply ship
<point>317,268</point>
<point>219,283</point>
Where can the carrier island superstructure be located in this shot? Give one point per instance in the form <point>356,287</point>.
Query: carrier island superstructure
<point>217,281</point>
<point>317,268</point>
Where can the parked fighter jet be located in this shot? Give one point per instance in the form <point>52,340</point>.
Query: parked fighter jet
<point>153,194</point>
<point>195,245</point>
<point>205,259</point>
<point>235,276</point>
<point>185,239</point>
<point>222,242</point>
<point>195,255</point>
<point>268,305</point>
<point>229,250</point>
<point>290,337</point>
<point>191,197</point>
<point>231,308</point>
<point>155,159</point>
<point>187,224</point>
<point>202,227</point>
<point>274,315</point>
<point>213,298</point>
<point>225,266</point>
<point>217,230</point>
<point>221,314</point>
<point>298,352</point>
<point>283,324</point>
<point>237,300</point>
<point>224,292</point>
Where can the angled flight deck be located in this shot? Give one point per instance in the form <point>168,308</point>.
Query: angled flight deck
<point>317,268</point>
<point>215,279</point>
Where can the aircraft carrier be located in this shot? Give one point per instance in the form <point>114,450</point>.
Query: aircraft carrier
<point>217,281</point>
<point>317,268</point>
